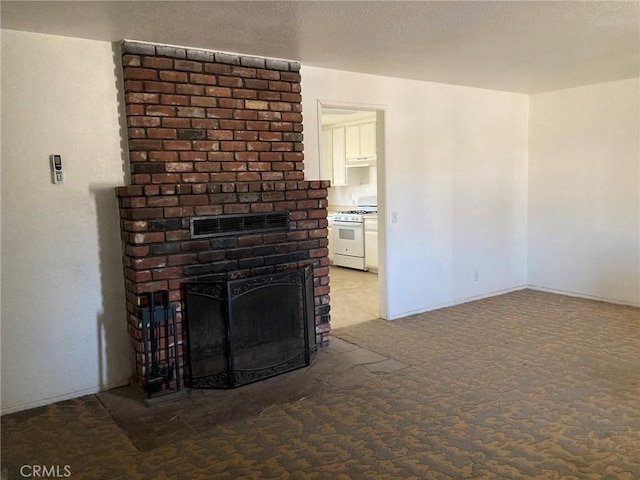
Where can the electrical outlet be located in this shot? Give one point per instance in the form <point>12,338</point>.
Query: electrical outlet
<point>394,217</point>
<point>475,275</point>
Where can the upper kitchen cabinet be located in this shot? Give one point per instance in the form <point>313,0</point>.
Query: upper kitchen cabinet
<point>326,155</point>
<point>360,144</point>
<point>333,156</point>
<point>352,141</point>
<point>368,139</point>
<point>348,139</point>
<point>339,172</point>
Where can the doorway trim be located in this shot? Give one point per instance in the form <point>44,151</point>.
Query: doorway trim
<point>382,113</point>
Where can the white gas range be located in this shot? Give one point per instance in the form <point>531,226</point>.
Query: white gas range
<point>347,240</point>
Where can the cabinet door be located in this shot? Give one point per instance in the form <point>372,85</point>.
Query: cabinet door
<point>326,155</point>
<point>367,139</point>
<point>371,243</point>
<point>339,169</point>
<point>352,133</point>
<point>371,250</point>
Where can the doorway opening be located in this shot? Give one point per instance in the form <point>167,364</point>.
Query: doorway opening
<point>352,157</point>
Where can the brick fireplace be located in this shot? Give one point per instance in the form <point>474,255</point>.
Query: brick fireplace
<point>214,134</point>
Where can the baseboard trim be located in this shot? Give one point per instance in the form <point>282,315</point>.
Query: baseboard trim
<point>59,398</point>
<point>462,301</point>
<point>583,295</point>
<point>509,290</point>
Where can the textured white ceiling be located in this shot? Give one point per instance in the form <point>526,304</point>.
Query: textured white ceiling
<point>519,46</point>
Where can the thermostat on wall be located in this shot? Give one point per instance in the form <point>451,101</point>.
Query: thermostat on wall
<point>56,169</point>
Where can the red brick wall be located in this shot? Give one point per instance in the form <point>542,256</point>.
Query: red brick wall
<point>213,133</point>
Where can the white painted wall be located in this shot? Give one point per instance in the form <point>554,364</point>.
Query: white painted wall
<point>455,172</point>
<point>63,319</point>
<point>584,191</point>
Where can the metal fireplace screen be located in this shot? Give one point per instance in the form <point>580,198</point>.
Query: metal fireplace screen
<point>246,330</point>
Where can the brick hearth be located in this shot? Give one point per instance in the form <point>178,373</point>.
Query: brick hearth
<point>210,134</point>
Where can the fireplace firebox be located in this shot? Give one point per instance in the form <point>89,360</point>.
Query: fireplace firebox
<point>246,330</point>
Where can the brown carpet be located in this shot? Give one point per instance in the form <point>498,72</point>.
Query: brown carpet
<point>524,385</point>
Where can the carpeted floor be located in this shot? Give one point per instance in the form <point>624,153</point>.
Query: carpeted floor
<point>524,385</point>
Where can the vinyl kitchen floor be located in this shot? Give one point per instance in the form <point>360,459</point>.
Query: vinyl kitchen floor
<point>354,296</point>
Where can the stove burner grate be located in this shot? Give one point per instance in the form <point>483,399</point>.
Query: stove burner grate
<point>358,212</point>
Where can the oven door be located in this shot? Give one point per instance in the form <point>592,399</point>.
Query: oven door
<point>348,239</point>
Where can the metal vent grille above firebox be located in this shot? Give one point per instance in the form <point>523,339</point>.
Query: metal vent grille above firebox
<point>225,225</point>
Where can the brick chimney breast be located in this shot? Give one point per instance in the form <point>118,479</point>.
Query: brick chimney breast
<point>214,134</point>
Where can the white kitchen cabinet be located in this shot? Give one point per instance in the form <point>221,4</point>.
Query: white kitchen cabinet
<point>371,243</point>
<point>352,141</point>
<point>360,143</point>
<point>326,154</point>
<point>342,146</point>
<point>339,170</point>
<point>332,158</point>
<point>368,139</point>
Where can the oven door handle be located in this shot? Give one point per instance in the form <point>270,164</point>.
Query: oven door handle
<point>348,224</point>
